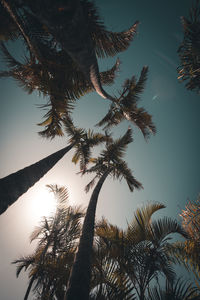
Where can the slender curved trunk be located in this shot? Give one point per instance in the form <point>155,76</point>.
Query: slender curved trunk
<point>16,184</point>
<point>79,282</point>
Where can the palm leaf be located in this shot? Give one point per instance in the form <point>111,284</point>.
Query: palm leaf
<point>125,107</point>
<point>10,61</point>
<point>106,43</point>
<point>178,290</point>
<point>165,226</point>
<point>90,184</point>
<point>121,170</point>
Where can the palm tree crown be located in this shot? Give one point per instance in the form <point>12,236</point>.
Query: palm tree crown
<point>51,262</point>
<point>139,253</point>
<point>189,50</point>
<point>126,107</point>
<point>109,162</point>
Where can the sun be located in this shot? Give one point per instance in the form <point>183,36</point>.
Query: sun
<point>43,203</point>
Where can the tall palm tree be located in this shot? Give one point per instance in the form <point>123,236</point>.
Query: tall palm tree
<point>51,262</point>
<point>140,252</point>
<point>109,162</point>
<point>16,184</point>
<point>189,50</point>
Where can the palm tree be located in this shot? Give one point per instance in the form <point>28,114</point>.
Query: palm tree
<point>189,50</point>
<point>109,162</point>
<point>77,28</point>
<point>50,264</point>
<point>16,184</point>
<point>81,39</point>
<point>187,252</point>
<point>125,107</point>
<point>177,290</point>
<point>57,78</point>
<point>108,281</point>
<point>82,36</point>
<point>140,252</point>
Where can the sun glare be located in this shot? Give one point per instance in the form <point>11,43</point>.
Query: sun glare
<point>43,203</point>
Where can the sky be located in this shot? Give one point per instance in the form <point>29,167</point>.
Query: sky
<point>167,165</point>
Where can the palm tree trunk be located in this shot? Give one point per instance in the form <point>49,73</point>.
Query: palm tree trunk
<point>79,282</point>
<point>16,184</point>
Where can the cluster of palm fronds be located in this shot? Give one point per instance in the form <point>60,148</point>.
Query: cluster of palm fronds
<point>189,50</point>
<point>187,252</point>
<point>49,69</point>
<point>124,263</point>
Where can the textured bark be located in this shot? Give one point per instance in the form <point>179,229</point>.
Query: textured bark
<point>79,282</point>
<point>16,184</point>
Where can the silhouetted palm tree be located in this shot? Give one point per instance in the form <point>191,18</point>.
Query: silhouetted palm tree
<point>16,184</point>
<point>76,27</point>
<point>81,39</point>
<point>189,50</point>
<point>51,262</point>
<point>140,252</point>
<point>57,78</point>
<point>109,162</point>
<point>49,266</point>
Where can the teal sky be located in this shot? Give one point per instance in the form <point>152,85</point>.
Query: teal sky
<point>167,165</point>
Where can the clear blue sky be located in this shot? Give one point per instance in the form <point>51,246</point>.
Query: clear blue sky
<point>168,165</point>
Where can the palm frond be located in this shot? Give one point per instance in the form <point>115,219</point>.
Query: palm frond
<point>61,193</point>
<point>132,89</point>
<point>189,54</point>
<point>106,43</point>
<point>23,263</point>
<point>126,108</point>
<point>112,118</point>
<point>10,61</point>
<point>90,184</point>
<point>163,227</point>
<point>107,77</point>
<point>121,170</point>
<point>116,149</point>
<point>178,290</point>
